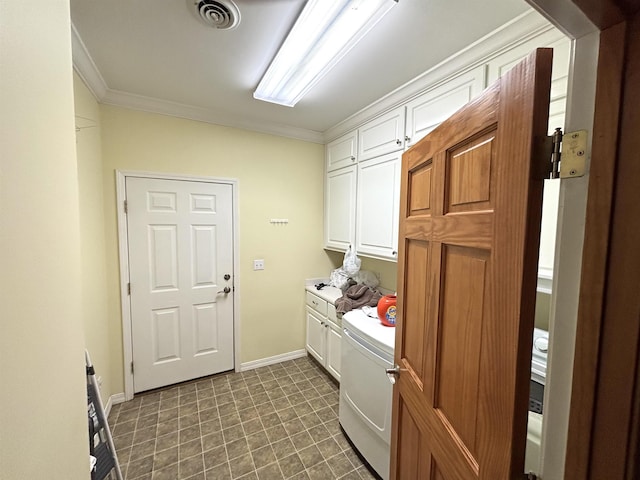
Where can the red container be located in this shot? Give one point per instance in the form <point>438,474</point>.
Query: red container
<point>387,310</point>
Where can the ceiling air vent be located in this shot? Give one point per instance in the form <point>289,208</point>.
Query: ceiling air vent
<point>222,14</point>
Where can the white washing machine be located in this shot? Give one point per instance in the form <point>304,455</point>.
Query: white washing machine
<point>365,391</point>
<point>536,397</point>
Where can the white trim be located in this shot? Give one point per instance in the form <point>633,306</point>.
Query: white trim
<point>180,110</point>
<point>520,30</point>
<point>85,67</point>
<point>567,268</point>
<point>114,399</point>
<point>123,249</point>
<point>263,362</point>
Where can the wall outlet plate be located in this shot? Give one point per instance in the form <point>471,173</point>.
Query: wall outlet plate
<point>258,264</point>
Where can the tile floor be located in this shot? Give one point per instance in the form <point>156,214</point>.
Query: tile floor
<point>275,422</point>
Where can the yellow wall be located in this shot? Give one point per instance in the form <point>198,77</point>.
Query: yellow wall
<point>278,178</point>
<point>43,422</point>
<point>97,325</point>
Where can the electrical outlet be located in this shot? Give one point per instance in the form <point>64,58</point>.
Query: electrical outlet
<point>258,264</point>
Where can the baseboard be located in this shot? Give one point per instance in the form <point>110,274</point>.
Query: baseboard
<point>263,362</point>
<point>114,399</point>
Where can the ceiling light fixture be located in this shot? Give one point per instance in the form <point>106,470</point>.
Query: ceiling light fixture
<point>324,32</point>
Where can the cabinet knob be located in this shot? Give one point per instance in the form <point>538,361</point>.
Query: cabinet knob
<point>353,159</point>
<point>398,142</point>
<point>394,253</point>
<point>407,138</point>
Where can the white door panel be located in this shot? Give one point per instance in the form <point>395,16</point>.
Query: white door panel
<point>180,248</point>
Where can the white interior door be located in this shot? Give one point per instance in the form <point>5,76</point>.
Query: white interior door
<point>180,236</point>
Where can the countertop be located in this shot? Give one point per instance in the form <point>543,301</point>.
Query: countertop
<point>330,294</point>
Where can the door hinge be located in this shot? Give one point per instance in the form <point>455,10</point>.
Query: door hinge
<point>568,154</point>
<point>128,288</point>
<point>126,207</point>
<point>131,368</point>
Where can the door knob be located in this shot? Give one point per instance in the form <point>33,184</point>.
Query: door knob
<point>394,373</point>
<point>225,290</point>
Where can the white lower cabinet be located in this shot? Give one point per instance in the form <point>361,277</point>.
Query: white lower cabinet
<point>323,334</point>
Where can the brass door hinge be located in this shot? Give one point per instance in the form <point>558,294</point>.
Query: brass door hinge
<point>568,154</point>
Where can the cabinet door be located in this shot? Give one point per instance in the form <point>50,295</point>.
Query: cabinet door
<point>382,135</point>
<point>341,152</point>
<point>340,208</point>
<point>427,111</point>
<point>316,336</point>
<point>334,338</point>
<point>378,206</point>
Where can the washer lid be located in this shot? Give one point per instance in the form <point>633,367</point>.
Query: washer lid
<point>370,329</point>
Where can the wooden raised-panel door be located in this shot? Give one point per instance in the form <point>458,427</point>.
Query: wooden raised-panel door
<point>471,200</point>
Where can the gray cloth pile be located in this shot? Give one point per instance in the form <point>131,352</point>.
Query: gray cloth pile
<point>357,296</point>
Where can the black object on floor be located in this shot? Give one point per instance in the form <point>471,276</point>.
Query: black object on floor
<point>100,441</point>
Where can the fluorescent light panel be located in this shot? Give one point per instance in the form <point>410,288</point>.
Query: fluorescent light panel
<point>324,32</point>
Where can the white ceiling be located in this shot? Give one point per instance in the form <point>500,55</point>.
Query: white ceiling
<point>159,49</point>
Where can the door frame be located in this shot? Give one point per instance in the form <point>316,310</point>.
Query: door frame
<point>604,412</point>
<point>123,251</point>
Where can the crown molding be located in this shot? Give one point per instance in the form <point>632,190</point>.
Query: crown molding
<point>85,67</point>
<point>174,109</point>
<point>521,29</point>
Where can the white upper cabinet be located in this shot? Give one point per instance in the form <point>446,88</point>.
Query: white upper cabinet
<point>362,186</point>
<point>340,208</point>
<point>342,151</point>
<point>427,111</point>
<point>384,134</point>
<point>378,206</point>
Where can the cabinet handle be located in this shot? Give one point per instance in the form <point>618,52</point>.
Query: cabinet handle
<point>321,323</point>
<point>394,253</point>
<point>326,325</point>
<point>407,139</point>
<point>398,142</point>
<point>353,159</point>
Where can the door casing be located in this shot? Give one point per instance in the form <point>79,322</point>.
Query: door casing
<point>123,250</point>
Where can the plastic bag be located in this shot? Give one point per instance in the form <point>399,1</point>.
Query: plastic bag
<point>367,278</point>
<point>350,267</point>
<point>339,279</point>
<point>351,263</point>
